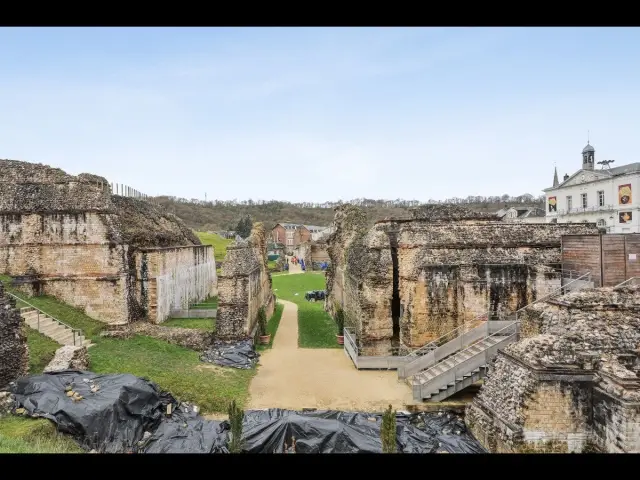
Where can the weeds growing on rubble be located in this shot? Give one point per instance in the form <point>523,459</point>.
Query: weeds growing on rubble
<point>236,416</point>
<point>316,328</point>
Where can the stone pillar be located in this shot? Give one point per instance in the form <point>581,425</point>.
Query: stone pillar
<point>14,353</point>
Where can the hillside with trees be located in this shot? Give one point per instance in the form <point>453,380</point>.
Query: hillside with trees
<point>226,214</point>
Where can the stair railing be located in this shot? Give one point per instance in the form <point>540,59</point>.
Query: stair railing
<point>77,333</point>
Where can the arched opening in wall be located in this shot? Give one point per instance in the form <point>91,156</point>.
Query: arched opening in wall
<point>555,220</point>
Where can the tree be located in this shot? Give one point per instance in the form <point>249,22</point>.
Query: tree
<point>388,431</point>
<point>244,226</point>
<point>236,416</point>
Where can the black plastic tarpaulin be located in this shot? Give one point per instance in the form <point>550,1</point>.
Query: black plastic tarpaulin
<point>108,413</point>
<point>268,431</point>
<point>232,354</point>
<point>124,413</point>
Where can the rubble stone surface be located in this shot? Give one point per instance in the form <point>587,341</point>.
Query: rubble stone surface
<point>244,287</point>
<point>69,357</point>
<point>14,352</point>
<point>571,384</point>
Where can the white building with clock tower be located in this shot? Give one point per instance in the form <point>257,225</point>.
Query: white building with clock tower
<point>608,197</point>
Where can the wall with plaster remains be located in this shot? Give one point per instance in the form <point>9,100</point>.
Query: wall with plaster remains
<point>244,286</point>
<point>14,353</point>
<point>172,278</point>
<point>67,236</point>
<point>571,384</point>
<point>405,282</point>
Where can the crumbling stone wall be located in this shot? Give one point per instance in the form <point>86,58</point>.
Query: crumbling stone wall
<point>563,387</point>
<point>14,353</point>
<point>444,265</point>
<point>67,236</point>
<point>244,286</point>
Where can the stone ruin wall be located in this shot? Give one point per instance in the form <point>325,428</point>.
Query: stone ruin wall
<point>14,353</point>
<point>571,384</point>
<point>67,236</point>
<point>449,271</point>
<point>172,278</point>
<point>244,286</point>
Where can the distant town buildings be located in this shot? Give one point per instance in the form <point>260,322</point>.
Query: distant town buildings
<point>602,196</point>
<point>293,234</point>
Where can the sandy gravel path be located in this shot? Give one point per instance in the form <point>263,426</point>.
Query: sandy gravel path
<point>295,378</point>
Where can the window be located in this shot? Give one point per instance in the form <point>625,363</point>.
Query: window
<point>289,234</point>
<point>602,223</point>
<point>601,198</point>
<point>569,203</point>
<point>289,241</point>
<point>583,200</point>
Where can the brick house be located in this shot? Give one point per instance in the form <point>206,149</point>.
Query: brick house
<point>290,234</point>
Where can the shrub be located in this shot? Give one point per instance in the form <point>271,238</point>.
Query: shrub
<point>388,431</point>
<point>236,416</point>
<point>339,318</point>
<point>262,321</point>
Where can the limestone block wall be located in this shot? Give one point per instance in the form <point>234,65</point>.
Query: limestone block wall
<point>67,236</point>
<point>173,278</point>
<point>244,286</point>
<point>448,267</point>
<point>616,422</point>
<point>571,383</point>
<point>538,411</point>
<point>14,353</point>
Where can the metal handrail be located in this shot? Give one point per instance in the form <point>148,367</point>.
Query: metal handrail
<point>429,346</point>
<point>515,322</point>
<point>454,357</point>
<point>625,282</point>
<point>552,294</point>
<point>73,330</point>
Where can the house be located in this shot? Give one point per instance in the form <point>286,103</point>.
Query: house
<point>603,196</point>
<point>293,234</point>
<point>522,215</point>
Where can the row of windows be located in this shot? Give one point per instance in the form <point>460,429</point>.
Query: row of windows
<point>584,201</point>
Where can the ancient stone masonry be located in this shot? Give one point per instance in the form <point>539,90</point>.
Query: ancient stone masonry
<point>313,252</point>
<point>408,281</point>
<point>571,383</point>
<point>14,353</point>
<point>244,286</point>
<point>68,236</point>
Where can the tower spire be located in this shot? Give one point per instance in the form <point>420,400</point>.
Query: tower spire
<point>555,177</point>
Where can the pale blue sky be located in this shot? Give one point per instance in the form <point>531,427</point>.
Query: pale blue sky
<point>320,113</point>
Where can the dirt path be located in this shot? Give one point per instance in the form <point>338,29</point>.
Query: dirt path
<point>295,378</point>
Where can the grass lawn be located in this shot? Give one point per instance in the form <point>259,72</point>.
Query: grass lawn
<point>174,368</point>
<point>316,329</point>
<point>33,435</point>
<point>272,325</point>
<point>198,323</point>
<point>209,303</point>
<point>219,244</point>
<point>41,350</point>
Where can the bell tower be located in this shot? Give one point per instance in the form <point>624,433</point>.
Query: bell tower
<point>588,157</point>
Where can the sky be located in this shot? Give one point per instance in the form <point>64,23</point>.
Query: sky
<point>320,114</point>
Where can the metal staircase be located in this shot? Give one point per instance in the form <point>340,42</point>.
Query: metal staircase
<point>461,357</point>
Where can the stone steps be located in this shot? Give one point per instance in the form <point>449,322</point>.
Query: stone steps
<point>51,328</point>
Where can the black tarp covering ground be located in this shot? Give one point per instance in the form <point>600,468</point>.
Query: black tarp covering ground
<point>124,413</point>
<point>232,354</point>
